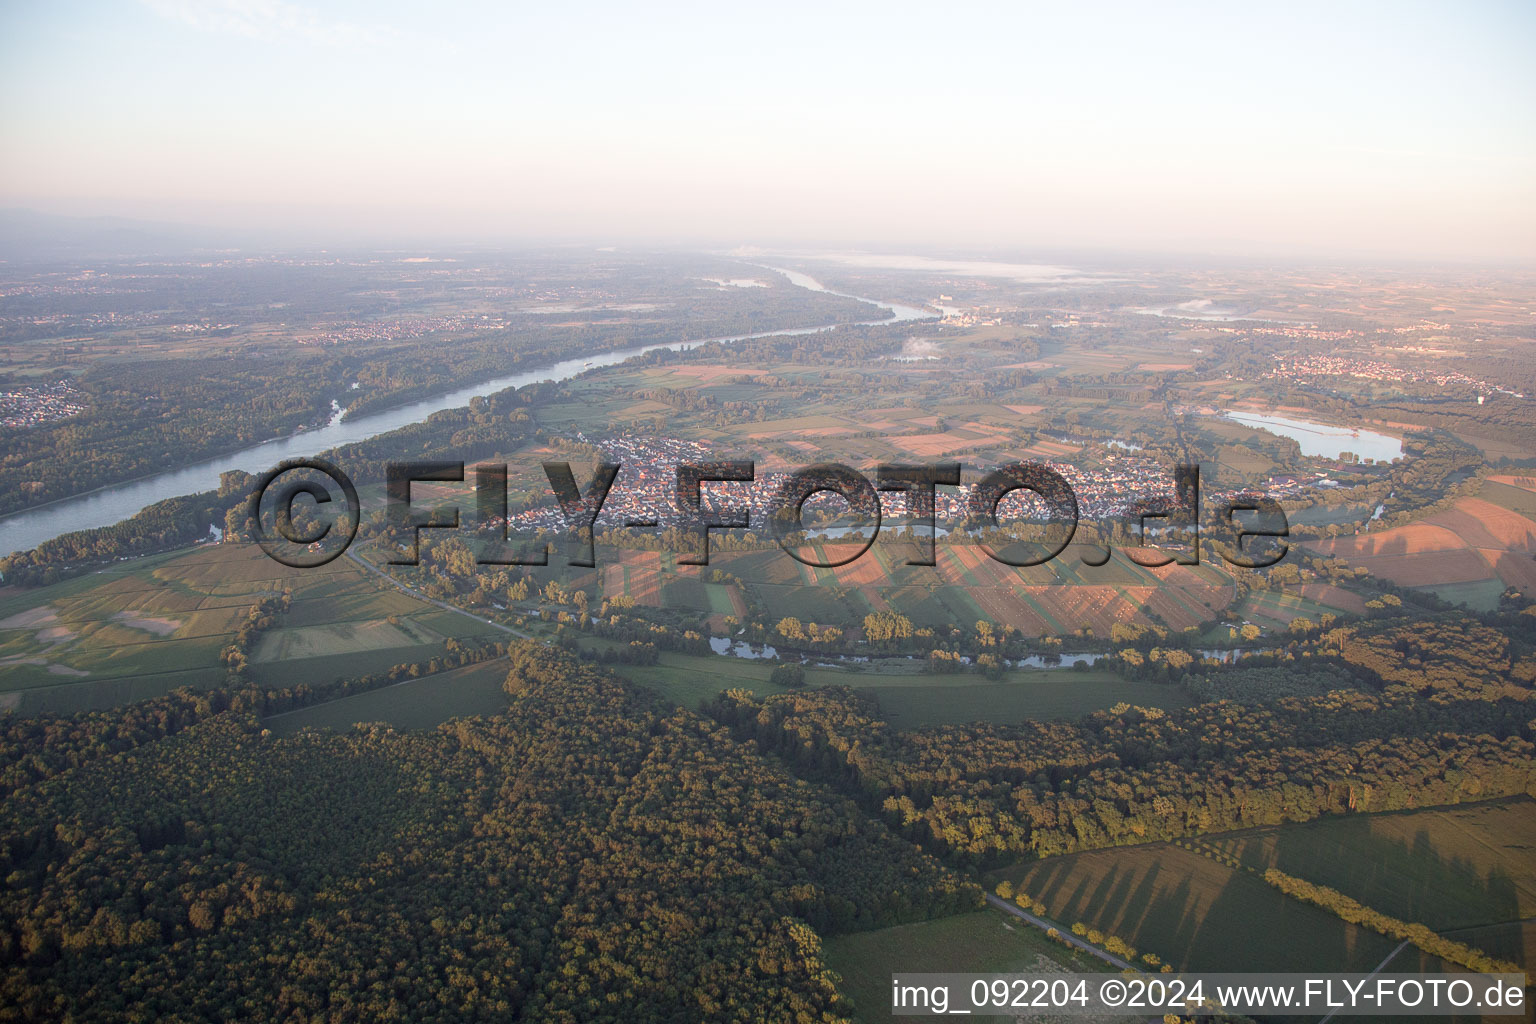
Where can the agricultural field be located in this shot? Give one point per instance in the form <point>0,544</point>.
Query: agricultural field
<point>1517,493</point>
<point>909,697</point>
<point>987,940</point>
<point>1198,914</point>
<point>301,642</point>
<point>1479,595</point>
<point>1322,514</point>
<point>145,627</point>
<point>1062,598</point>
<point>1274,609</point>
<point>419,703</point>
<point>690,680</point>
<point>1023,695</point>
<point>1467,872</point>
<point>1479,543</point>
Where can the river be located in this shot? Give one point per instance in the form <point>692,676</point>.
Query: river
<point>25,530</point>
<point>767,652</point>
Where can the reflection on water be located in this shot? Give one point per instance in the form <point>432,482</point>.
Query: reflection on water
<point>1321,440</point>
<point>741,649</point>
<point>1056,660</point>
<point>754,652</point>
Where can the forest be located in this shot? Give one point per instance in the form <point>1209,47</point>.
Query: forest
<point>590,855</point>
<point>597,854</point>
<point>1448,719</point>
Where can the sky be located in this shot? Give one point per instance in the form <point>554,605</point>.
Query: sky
<point>1325,130</point>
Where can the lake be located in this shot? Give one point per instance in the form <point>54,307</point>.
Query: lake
<point>1322,440</point>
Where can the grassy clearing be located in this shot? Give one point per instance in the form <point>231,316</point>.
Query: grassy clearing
<point>415,704</point>
<point>987,940</point>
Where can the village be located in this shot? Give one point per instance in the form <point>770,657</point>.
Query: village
<point>40,403</point>
<point>644,493</point>
<point>1296,368</point>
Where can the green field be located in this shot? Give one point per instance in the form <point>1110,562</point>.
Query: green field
<point>690,680</point>
<point>301,642</point>
<point>1516,499</point>
<point>987,940</point>
<point>1276,608</point>
<point>145,627</point>
<point>1467,871</point>
<point>909,697</point>
<point>1017,697</point>
<point>413,704</point>
<point>1323,515</point>
<point>1243,460</point>
<point>1198,914</point>
<point>1479,595</point>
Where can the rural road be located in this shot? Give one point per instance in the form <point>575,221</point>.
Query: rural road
<point>444,605</point>
<point>1066,935</point>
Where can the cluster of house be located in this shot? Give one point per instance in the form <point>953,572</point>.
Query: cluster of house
<point>353,331</point>
<point>1296,368</point>
<point>40,403</point>
<point>645,489</point>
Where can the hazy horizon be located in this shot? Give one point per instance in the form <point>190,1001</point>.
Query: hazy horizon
<point>1377,131</point>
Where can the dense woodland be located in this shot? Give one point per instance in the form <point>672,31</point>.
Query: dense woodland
<point>595,854</point>
<point>590,855</point>
<point>1448,718</point>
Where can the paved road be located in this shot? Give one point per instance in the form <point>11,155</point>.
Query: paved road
<point>444,605</point>
<point>1066,935</point>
